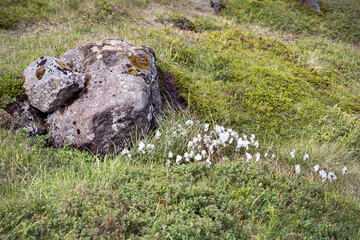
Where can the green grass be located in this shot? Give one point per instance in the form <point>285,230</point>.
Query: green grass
<point>13,13</point>
<point>337,20</point>
<point>68,194</point>
<point>250,67</point>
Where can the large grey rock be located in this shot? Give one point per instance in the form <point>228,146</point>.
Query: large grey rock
<point>49,83</point>
<point>121,98</point>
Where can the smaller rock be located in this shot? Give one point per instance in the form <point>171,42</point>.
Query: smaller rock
<point>23,115</point>
<point>311,3</point>
<point>49,83</point>
<point>216,5</point>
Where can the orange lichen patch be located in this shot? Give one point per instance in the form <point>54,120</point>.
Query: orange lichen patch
<point>140,62</point>
<point>132,71</point>
<point>40,72</point>
<point>63,65</point>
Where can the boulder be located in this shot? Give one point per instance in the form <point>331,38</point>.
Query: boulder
<point>121,96</point>
<point>49,83</point>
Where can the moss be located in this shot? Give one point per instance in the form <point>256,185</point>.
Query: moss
<point>141,62</point>
<point>132,71</point>
<point>63,65</point>
<point>257,84</point>
<point>40,72</point>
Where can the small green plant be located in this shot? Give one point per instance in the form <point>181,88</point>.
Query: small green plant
<point>10,87</point>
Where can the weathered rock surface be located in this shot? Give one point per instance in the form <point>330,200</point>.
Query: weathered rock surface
<point>121,97</point>
<point>49,83</point>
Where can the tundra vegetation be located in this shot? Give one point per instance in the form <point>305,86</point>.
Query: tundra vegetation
<point>272,68</point>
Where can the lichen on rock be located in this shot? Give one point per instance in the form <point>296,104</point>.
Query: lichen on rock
<point>141,62</point>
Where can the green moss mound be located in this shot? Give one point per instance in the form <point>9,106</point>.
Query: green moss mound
<point>259,84</point>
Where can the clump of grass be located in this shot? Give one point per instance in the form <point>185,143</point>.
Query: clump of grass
<point>10,87</point>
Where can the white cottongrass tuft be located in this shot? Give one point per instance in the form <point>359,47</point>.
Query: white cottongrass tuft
<point>292,153</point>
<point>208,161</point>
<point>252,138</point>
<point>170,155</point>
<point>125,151</point>
<point>316,168</point>
<point>332,177</point>
<point>248,157</point>
<point>323,175</point>
<point>150,147</point>
<point>189,123</point>
<point>224,137</point>
<point>198,157</point>
<point>157,135</point>
<point>257,157</point>
<point>344,170</point>
<point>306,157</point>
<point>203,153</point>
<point>297,168</point>
<point>141,147</point>
<point>178,159</point>
<point>187,156</point>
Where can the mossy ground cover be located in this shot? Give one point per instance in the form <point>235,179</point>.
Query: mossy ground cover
<point>295,91</point>
<point>265,86</point>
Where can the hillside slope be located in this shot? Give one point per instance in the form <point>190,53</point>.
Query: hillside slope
<point>272,68</point>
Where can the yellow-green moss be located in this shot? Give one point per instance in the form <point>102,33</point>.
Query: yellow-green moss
<point>40,72</point>
<point>141,62</point>
<point>63,65</point>
<point>132,71</point>
<point>88,79</point>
